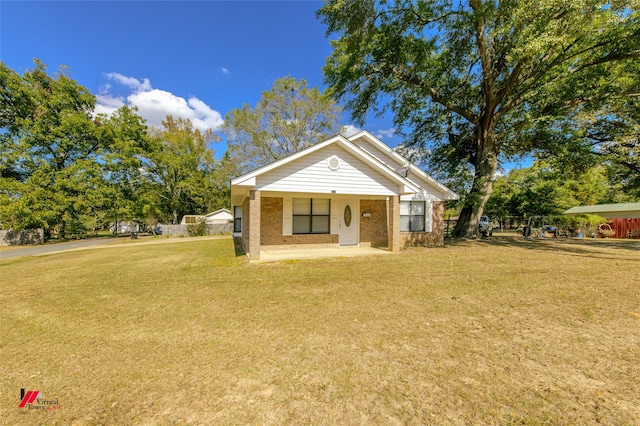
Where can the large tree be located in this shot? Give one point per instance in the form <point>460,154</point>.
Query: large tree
<point>472,78</point>
<point>179,167</point>
<point>53,150</point>
<point>289,117</point>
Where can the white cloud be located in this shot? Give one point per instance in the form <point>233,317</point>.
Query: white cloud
<point>131,82</point>
<point>225,71</point>
<point>108,104</point>
<point>350,130</point>
<point>155,104</point>
<point>389,133</point>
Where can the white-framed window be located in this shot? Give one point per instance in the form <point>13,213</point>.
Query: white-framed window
<point>311,215</point>
<point>237,218</point>
<point>412,216</point>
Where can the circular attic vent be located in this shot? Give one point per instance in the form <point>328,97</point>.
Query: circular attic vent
<point>334,163</point>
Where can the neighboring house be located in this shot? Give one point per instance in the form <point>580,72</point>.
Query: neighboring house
<point>624,218</point>
<point>218,217</point>
<point>352,191</point>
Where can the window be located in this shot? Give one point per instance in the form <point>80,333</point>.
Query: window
<point>190,220</point>
<point>311,215</point>
<point>237,218</point>
<point>412,216</point>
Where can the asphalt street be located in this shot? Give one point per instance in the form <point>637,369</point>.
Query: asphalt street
<point>52,248</point>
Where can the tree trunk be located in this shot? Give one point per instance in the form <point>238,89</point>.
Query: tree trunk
<point>467,225</point>
<point>175,217</point>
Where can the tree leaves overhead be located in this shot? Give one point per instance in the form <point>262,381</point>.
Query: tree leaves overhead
<point>475,78</point>
<point>289,117</point>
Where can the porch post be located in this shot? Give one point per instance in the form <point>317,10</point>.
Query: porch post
<point>254,225</point>
<point>394,224</point>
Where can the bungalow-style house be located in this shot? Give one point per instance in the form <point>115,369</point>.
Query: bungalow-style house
<point>217,217</point>
<point>344,191</point>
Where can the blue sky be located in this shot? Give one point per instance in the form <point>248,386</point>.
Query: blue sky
<point>198,59</point>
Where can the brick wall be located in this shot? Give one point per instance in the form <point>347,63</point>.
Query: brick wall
<point>433,238</point>
<point>255,202</point>
<point>373,230</point>
<point>271,220</point>
<point>393,229</point>
<point>271,229</point>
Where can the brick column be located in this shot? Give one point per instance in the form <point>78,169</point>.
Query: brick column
<point>254,225</point>
<point>393,216</point>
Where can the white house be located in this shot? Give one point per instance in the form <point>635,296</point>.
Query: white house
<point>353,191</point>
<point>218,217</point>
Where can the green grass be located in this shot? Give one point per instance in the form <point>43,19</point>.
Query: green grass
<point>501,332</point>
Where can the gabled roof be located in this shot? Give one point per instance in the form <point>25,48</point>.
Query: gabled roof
<point>400,160</point>
<point>249,179</point>
<point>218,211</point>
<point>383,167</point>
<point>605,208</point>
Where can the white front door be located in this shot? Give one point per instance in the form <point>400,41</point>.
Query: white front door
<point>349,222</point>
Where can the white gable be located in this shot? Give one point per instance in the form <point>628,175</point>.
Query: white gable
<point>374,150</point>
<point>331,169</point>
<point>364,165</point>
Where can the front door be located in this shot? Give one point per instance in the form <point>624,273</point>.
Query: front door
<point>349,215</point>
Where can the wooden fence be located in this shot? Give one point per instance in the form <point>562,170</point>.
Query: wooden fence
<point>182,230</point>
<point>10,237</point>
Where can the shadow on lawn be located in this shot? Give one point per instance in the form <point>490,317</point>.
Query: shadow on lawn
<point>237,246</point>
<point>591,248</point>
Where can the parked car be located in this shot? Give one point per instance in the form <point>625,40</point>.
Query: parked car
<point>485,226</point>
<point>157,229</point>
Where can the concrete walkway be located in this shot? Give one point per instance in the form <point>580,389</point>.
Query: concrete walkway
<point>317,253</point>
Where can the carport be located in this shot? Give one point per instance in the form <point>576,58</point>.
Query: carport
<point>624,218</point>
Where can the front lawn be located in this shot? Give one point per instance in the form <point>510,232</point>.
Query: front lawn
<point>501,332</point>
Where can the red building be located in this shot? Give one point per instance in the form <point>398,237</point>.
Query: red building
<point>623,218</point>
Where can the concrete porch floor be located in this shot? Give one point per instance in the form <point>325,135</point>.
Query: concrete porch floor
<point>318,253</point>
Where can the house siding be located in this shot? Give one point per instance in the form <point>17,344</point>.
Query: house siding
<point>312,174</point>
<point>373,230</point>
<point>433,238</point>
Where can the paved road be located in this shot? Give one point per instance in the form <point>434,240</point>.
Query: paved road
<point>52,248</point>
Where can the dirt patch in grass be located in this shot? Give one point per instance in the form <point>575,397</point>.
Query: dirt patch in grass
<point>504,331</point>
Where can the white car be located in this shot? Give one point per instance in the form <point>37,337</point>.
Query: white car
<point>485,226</point>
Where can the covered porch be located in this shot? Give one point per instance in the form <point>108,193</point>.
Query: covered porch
<point>269,221</point>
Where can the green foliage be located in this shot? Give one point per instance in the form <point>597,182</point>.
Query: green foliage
<point>64,168</point>
<point>51,144</point>
<point>180,167</point>
<point>480,82</point>
<point>289,117</point>
<point>199,229</point>
<point>543,190</point>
